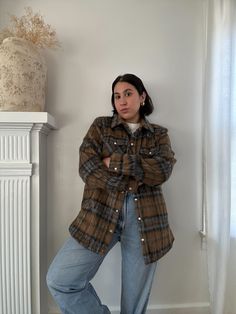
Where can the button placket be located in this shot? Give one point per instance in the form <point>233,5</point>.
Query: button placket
<point>131,145</point>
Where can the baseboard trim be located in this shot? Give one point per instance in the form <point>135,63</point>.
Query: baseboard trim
<point>187,308</point>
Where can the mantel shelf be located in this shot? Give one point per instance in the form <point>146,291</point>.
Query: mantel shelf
<point>27,117</point>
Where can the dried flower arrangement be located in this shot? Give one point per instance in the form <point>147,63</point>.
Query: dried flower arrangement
<point>31,27</point>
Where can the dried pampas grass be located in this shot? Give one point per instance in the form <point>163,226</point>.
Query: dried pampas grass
<point>31,27</point>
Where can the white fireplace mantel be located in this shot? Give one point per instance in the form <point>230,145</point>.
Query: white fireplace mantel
<point>23,211</point>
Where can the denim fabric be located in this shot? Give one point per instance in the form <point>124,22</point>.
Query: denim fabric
<point>74,266</point>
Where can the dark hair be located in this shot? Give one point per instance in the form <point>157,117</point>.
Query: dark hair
<point>132,79</point>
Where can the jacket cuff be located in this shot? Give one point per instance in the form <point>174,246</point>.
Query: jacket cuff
<point>127,165</point>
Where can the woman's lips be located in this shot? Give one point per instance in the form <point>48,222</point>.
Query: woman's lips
<point>124,110</point>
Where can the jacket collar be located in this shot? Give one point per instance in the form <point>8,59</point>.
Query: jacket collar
<point>144,123</point>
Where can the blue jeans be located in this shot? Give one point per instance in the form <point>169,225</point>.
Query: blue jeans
<point>74,266</point>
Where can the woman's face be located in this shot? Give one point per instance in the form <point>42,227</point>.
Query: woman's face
<point>127,101</point>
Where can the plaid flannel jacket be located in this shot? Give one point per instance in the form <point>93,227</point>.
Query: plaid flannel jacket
<point>140,162</point>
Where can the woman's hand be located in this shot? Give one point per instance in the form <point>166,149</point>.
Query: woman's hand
<point>106,161</point>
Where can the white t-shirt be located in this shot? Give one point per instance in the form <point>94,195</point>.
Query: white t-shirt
<point>133,126</point>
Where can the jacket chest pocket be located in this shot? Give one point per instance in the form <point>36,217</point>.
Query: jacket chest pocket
<point>113,145</point>
<point>149,148</point>
<point>149,151</point>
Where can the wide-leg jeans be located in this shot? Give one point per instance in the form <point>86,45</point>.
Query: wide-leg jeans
<point>74,266</point>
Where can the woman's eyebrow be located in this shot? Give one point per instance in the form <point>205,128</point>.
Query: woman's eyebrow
<point>126,90</point>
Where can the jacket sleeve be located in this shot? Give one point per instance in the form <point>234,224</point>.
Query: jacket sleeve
<point>91,167</point>
<point>151,166</point>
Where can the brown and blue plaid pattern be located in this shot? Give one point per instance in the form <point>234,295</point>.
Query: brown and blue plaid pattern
<point>140,163</point>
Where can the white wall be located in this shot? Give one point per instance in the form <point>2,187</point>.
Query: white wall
<point>162,41</point>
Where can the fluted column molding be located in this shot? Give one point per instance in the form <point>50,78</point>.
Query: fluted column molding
<point>23,210</point>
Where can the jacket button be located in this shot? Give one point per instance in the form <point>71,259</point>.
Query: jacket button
<point>130,188</point>
<point>115,143</point>
<point>115,169</point>
<point>139,218</point>
<point>136,199</point>
<point>142,240</point>
<point>110,230</point>
<point>117,211</point>
<point>131,144</point>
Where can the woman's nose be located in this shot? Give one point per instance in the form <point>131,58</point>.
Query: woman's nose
<point>123,100</point>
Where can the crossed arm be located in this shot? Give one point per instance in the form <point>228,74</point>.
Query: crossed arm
<point>115,171</point>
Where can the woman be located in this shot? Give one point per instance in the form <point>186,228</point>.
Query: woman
<point>124,159</point>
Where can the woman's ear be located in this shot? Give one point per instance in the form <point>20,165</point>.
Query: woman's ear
<point>143,97</point>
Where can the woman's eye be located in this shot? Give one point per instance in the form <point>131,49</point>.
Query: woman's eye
<point>116,97</point>
<point>128,94</point>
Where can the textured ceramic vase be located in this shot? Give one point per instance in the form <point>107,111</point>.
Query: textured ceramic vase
<point>22,76</point>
